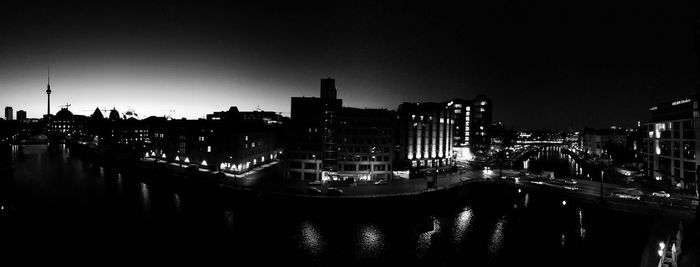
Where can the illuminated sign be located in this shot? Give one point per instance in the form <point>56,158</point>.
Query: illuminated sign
<point>680,102</point>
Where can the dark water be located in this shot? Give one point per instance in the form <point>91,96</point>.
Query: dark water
<point>67,206</point>
<point>552,158</point>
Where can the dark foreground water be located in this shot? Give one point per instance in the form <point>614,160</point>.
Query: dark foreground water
<point>68,209</point>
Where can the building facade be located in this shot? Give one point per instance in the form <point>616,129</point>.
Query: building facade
<point>424,137</point>
<point>471,128</point>
<point>671,143</point>
<point>8,113</point>
<point>312,136</point>
<point>599,141</point>
<point>21,115</point>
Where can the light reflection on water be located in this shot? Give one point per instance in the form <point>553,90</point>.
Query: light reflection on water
<point>178,204</point>
<point>496,242</point>
<point>462,223</point>
<point>145,197</point>
<point>370,241</point>
<point>310,239</point>
<point>581,229</point>
<point>425,239</point>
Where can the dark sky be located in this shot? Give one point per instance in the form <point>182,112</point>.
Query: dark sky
<point>545,64</point>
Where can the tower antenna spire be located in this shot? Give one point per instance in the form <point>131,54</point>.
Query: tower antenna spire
<point>48,90</point>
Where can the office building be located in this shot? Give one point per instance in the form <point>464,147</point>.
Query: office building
<point>671,143</point>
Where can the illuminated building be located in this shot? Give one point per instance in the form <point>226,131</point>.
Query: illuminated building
<point>670,143</point>
<point>424,137</point>
<point>230,144</point>
<point>472,126</point>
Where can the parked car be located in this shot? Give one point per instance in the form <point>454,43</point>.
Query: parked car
<point>332,191</point>
<point>313,191</point>
<point>661,194</point>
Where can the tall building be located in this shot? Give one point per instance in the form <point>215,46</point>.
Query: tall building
<point>8,113</point>
<point>21,115</point>
<point>671,143</point>
<point>312,135</point>
<point>48,92</point>
<point>424,137</point>
<point>472,126</point>
<point>366,144</point>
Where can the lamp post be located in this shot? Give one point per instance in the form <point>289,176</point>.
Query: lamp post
<point>315,167</point>
<point>602,172</point>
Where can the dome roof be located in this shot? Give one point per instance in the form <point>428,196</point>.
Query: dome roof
<point>64,113</point>
<point>114,114</point>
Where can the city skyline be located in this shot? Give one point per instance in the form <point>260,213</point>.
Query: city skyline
<point>591,69</point>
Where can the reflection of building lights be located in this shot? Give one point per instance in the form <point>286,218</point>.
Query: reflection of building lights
<point>662,245</point>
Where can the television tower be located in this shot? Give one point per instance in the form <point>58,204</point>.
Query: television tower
<point>48,91</point>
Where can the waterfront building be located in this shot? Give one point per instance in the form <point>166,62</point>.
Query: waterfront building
<point>598,142</point>
<point>424,137</point>
<point>671,143</point>
<point>312,135</point>
<point>472,125</point>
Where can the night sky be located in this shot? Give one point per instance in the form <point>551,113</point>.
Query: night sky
<point>545,64</point>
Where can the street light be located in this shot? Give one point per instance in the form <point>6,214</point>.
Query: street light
<point>602,172</point>
<point>315,167</point>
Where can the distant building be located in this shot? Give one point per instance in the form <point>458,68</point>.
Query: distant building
<point>62,125</point>
<point>8,113</point>
<point>671,143</point>
<point>599,141</point>
<point>21,115</point>
<point>424,137</point>
<point>268,117</point>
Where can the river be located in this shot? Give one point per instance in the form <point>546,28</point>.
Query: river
<point>69,206</point>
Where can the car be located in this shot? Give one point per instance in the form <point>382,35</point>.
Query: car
<point>628,193</point>
<point>380,182</point>
<point>661,194</point>
<point>332,191</point>
<point>315,183</point>
<point>570,187</point>
<point>313,191</point>
<point>513,179</point>
<point>570,181</point>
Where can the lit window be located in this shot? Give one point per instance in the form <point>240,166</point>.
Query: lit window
<point>208,148</point>
<point>246,138</point>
